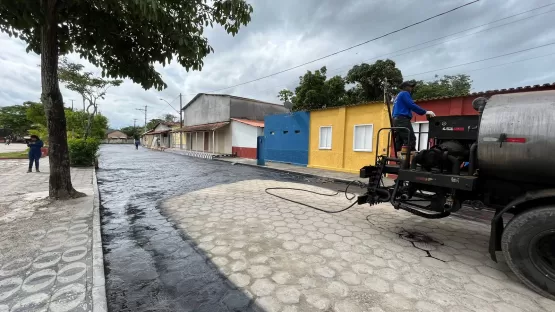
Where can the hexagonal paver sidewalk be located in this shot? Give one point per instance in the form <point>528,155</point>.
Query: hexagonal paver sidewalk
<point>46,258</point>
<point>292,258</point>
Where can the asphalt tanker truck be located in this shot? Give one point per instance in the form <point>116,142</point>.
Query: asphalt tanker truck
<point>503,158</point>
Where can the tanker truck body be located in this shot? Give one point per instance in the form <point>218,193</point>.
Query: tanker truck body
<point>503,158</point>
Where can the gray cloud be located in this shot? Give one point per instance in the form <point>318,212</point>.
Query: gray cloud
<point>286,33</point>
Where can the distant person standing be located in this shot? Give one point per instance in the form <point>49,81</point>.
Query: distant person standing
<point>137,142</point>
<point>34,152</point>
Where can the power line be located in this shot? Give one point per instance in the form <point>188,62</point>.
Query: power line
<point>483,68</point>
<point>482,60</point>
<point>349,48</point>
<point>169,103</point>
<point>456,38</point>
<point>509,63</point>
<point>335,70</point>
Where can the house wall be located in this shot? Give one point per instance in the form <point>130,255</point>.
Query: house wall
<point>243,139</point>
<point>175,143</point>
<point>223,140</point>
<point>207,109</point>
<point>148,140</point>
<point>327,159</point>
<point>253,110</point>
<point>290,147</point>
<point>197,140</point>
<point>341,156</point>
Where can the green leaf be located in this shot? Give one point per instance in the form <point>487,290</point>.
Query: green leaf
<point>123,37</point>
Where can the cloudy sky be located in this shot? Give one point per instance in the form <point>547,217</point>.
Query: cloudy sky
<point>287,33</point>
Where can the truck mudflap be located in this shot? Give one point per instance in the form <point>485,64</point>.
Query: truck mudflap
<point>497,221</point>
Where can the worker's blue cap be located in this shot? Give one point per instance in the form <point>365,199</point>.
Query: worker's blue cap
<point>409,83</point>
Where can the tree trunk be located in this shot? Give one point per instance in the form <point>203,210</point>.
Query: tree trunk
<point>90,118</point>
<point>60,186</point>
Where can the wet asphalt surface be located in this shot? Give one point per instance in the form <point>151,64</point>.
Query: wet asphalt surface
<point>149,264</point>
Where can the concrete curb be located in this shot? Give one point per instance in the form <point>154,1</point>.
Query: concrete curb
<point>99,301</point>
<point>304,174</point>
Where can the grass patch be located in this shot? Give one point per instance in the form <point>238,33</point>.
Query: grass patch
<point>18,155</point>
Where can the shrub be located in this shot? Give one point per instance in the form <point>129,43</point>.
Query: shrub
<point>82,153</point>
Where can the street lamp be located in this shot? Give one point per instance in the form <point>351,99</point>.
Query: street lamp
<point>161,99</point>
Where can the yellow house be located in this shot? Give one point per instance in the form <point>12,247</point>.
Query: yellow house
<point>344,138</point>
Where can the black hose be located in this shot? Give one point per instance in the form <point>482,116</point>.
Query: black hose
<point>321,194</point>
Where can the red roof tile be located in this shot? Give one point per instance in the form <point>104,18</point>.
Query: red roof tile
<point>204,127</point>
<point>545,86</point>
<point>254,123</point>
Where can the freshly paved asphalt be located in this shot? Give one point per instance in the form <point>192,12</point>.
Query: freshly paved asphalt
<point>187,234</point>
<point>145,255</point>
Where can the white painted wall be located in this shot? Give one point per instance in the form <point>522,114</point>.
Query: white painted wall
<point>243,135</point>
<point>206,109</point>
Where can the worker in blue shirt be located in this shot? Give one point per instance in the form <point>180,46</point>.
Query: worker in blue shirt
<point>403,107</point>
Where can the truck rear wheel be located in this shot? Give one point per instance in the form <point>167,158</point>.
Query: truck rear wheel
<point>528,245</point>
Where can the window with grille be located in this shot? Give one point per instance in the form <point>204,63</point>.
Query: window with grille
<point>421,132</point>
<point>325,137</point>
<point>362,139</point>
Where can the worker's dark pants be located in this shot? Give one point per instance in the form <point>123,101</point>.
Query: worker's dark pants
<point>402,136</point>
<point>34,159</point>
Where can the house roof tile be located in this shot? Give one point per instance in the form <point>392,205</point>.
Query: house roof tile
<point>494,91</point>
<point>204,127</point>
<point>254,123</point>
<point>547,86</point>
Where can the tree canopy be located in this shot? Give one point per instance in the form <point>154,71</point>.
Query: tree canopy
<point>89,87</point>
<point>15,119</point>
<point>76,122</point>
<point>169,117</point>
<point>316,91</point>
<point>456,85</point>
<point>35,113</point>
<point>285,95</point>
<point>365,83</point>
<point>153,122</point>
<point>132,132</point>
<point>126,37</point>
<point>77,126</point>
<point>369,79</point>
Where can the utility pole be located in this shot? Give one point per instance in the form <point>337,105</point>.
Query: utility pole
<point>180,121</point>
<point>134,128</point>
<point>143,109</point>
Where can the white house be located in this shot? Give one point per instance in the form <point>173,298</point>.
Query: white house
<point>220,124</point>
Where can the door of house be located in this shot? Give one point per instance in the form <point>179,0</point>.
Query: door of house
<point>206,141</point>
